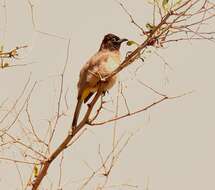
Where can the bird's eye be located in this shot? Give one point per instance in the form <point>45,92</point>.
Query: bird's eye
<point>114,40</point>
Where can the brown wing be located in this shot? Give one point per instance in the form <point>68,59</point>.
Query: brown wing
<point>89,73</point>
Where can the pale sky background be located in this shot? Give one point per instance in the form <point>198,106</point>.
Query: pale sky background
<point>174,149</point>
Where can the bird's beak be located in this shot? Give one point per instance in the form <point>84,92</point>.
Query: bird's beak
<point>122,40</point>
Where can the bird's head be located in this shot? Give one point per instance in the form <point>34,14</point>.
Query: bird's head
<point>111,42</point>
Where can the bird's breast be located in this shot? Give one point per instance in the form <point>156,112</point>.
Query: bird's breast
<point>112,63</point>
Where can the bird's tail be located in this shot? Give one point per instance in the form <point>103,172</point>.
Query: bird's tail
<point>76,113</point>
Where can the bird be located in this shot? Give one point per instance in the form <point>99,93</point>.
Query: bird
<point>100,65</point>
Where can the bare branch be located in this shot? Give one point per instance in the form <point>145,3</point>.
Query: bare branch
<point>140,110</point>
<point>60,93</point>
<point>132,20</point>
<point>156,36</point>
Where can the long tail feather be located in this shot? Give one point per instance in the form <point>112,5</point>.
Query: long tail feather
<point>88,97</point>
<point>76,113</point>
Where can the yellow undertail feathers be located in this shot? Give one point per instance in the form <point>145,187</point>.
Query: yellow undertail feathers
<point>85,93</point>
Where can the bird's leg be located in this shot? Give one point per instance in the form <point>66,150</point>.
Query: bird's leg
<point>93,73</point>
<point>97,74</point>
<point>101,78</point>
